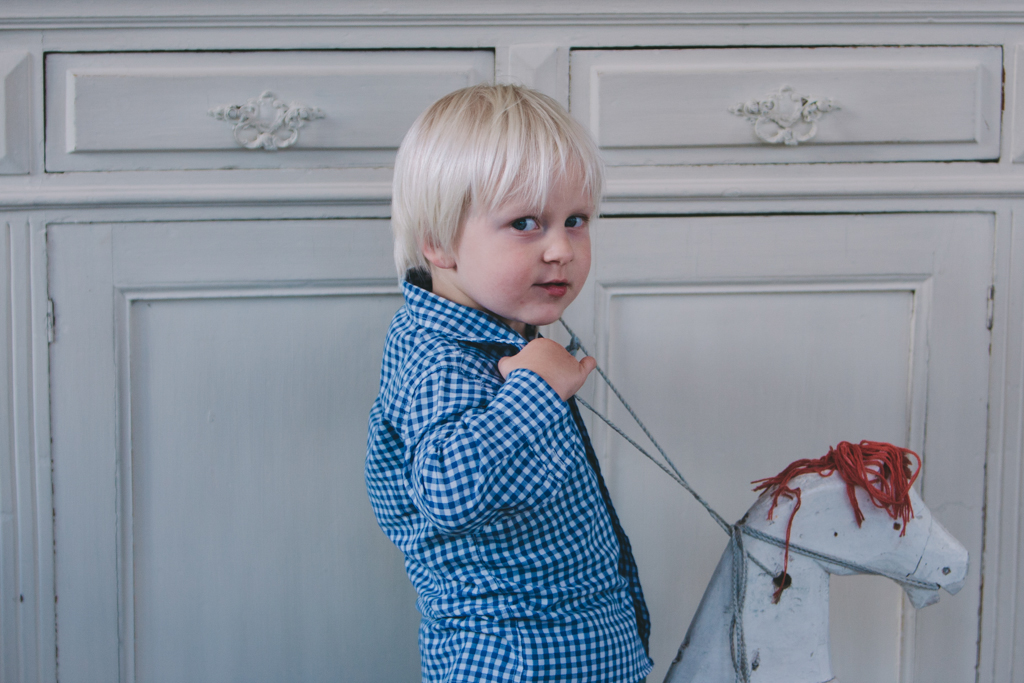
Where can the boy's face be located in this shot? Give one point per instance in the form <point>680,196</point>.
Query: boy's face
<point>519,264</point>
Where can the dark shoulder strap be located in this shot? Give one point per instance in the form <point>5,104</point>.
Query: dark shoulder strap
<point>627,565</point>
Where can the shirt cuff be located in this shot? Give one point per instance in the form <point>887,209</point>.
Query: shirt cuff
<point>531,407</point>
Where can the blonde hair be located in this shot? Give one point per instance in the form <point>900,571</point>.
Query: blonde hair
<point>480,147</point>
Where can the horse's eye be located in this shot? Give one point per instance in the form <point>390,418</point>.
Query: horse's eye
<point>946,570</point>
<point>896,526</point>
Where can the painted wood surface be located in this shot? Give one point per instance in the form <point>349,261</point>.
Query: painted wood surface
<point>784,638</point>
<point>8,503</point>
<point>15,112</point>
<point>895,104</point>
<point>367,99</point>
<point>224,531</point>
<point>749,342</point>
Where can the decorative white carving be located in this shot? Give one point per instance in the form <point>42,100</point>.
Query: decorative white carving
<point>266,121</point>
<point>783,116</point>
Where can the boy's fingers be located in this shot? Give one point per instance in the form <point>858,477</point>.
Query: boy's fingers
<point>588,363</point>
<point>503,367</point>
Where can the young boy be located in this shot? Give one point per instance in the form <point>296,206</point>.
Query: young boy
<point>478,465</point>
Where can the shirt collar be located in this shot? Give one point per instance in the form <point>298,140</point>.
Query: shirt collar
<point>455,320</point>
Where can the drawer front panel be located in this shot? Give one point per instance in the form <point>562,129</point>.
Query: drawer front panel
<point>157,111</point>
<point>700,106</point>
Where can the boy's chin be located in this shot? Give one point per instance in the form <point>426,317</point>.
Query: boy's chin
<point>540,316</point>
<point>541,320</point>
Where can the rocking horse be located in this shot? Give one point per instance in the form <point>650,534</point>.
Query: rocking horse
<point>764,615</point>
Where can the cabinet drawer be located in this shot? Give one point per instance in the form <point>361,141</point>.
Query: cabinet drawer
<point>704,106</point>
<point>157,111</point>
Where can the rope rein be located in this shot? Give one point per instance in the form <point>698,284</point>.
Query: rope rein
<point>883,495</point>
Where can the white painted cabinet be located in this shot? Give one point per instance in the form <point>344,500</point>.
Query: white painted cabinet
<point>213,517</point>
<point>749,342</point>
<point>191,329</point>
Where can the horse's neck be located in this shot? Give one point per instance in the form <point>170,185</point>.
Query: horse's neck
<point>789,641</point>
<point>785,643</point>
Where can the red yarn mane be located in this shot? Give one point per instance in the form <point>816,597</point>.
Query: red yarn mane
<point>884,471</point>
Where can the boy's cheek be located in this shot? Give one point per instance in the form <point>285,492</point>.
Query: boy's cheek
<point>583,256</point>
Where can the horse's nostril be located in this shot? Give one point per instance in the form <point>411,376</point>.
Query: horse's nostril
<point>946,570</point>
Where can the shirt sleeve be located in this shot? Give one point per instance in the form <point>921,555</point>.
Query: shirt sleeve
<point>474,458</point>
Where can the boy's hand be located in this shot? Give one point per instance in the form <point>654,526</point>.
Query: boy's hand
<point>553,363</point>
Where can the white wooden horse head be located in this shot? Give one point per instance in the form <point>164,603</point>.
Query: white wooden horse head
<point>788,641</point>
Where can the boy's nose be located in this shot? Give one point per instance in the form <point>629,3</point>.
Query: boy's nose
<point>559,248</point>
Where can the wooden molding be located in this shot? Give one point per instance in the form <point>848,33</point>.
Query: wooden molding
<point>620,191</point>
<point>60,15</point>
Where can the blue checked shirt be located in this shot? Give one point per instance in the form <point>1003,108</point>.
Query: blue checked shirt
<point>492,491</point>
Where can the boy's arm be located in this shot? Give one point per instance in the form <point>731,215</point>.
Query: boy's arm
<point>473,458</point>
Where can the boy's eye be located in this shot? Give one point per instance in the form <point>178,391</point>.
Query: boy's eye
<point>575,222</point>
<point>525,224</point>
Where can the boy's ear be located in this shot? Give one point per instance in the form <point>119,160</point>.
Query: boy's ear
<point>437,256</point>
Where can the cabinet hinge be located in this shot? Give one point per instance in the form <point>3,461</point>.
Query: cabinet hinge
<point>51,323</point>
<point>991,306</point>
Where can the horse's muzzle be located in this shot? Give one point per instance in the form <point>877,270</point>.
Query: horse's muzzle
<point>944,562</point>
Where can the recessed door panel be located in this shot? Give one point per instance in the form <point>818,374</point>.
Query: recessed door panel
<point>214,521</point>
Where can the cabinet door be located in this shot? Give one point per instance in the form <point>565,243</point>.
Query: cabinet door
<point>748,342</point>
<point>210,390</point>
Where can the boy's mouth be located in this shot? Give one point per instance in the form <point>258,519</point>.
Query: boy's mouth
<point>558,288</point>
